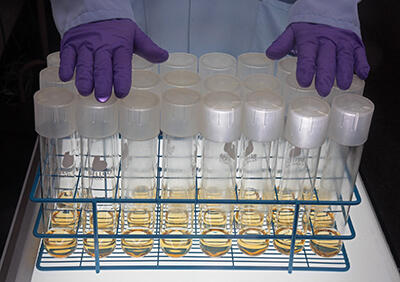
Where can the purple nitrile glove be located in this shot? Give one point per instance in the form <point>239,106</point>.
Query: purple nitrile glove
<point>325,51</point>
<point>102,52</point>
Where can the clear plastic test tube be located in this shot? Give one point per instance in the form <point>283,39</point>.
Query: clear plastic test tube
<point>179,61</point>
<point>146,80</point>
<point>180,127</point>
<point>253,62</point>
<point>98,130</point>
<point>263,120</point>
<point>259,82</point>
<point>305,132</point>
<point>349,124</point>
<point>222,82</point>
<point>55,123</point>
<point>182,79</point>
<point>216,63</point>
<point>139,126</point>
<point>221,130</point>
<point>139,63</point>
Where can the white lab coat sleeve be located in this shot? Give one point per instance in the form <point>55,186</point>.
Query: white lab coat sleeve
<point>337,13</point>
<point>71,13</point>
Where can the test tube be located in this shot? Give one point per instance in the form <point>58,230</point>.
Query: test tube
<point>55,123</point>
<point>216,63</point>
<point>141,64</point>
<point>181,79</point>
<point>259,82</point>
<point>220,128</point>
<point>48,77</point>
<point>349,124</point>
<point>179,61</point>
<point>253,62</point>
<point>98,130</point>
<point>146,81</point>
<point>286,66</point>
<point>305,132</point>
<point>263,120</point>
<point>139,126</point>
<point>180,128</point>
<point>53,59</point>
<point>222,82</point>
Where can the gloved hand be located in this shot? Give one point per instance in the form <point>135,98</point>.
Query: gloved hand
<point>102,52</point>
<point>325,51</point>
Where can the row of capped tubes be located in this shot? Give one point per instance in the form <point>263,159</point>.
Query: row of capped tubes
<point>249,72</point>
<point>95,164</point>
<point>218,158</point>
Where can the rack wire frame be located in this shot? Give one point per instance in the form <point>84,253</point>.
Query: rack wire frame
<point>306,260</point>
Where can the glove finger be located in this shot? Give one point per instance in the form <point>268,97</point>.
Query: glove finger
<point>345,65</point>
<point>306,62</point>
<point>282,45</point>
<point>326,67</point>
<point>122,72</point>
<point>67,63</point>
<point>361,65</point>
<point>146,48</point>
<point>102,76</point>
<point>84,71</point>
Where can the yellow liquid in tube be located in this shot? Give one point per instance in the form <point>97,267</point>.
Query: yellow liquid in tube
<point>137,247</point>
<point>326,248</point>
<point>215,247</point>
<point>176,247</point>
<point>283,245</point>
<point>253,247</point>
<point>106,245</point>
<point>140,217</point>
<point>60,247</point>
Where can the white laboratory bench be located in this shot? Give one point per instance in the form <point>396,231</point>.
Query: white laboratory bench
<point>369,254</point>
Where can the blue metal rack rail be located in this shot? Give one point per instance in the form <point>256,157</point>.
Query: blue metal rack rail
<point>306,260</point>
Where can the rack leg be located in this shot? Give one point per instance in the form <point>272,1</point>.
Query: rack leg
<point>293,240</point>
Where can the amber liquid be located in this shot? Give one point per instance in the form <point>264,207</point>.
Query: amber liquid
<point>176,247</point>
<point>215,247</point>
<point>137,247</point>
<point>253,247</point>
<point>283,245</point>
<point>319,219</point>
<point>106,245</point>
<point>60,247</point>
<point>326,248</point>
<point>65,218</point>
<point>140,217</point>
<point>106,220</point>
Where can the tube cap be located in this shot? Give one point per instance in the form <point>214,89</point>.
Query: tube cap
<point>53,59</point>
<point>146,80</point>
<point>259,82</point>
<point>95,119</point>
<point>139,115</point>
<point>217,63</point>
<point>286,66</point>
<point>181,79</point>
<point>139,63</point>
<point>54,112</point>
<point>221,120</point>
<point>350,120</point>
<point>307,122</point>
<point>292,89</point>
<point>222,82</point>
<point>253,62</point>
<point>48,77</point>
<point>179,61</point>
<point>263,116</point>
<point>180,109</point>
